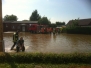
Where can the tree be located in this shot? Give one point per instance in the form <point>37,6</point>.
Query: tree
<point>60,23</point>
<point>25,20</point>
<point>35,16</point>
<point>53,25</point>
<point>75,22</point>
<point>44,21</point>
<point>10,18</point>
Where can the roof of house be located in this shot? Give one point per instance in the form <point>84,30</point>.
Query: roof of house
<point>20,21</point>
<point>81,22</point>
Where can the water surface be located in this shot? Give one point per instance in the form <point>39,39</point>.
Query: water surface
<point>59,43</point>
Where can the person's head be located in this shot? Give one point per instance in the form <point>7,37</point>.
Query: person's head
<point>21,38</point>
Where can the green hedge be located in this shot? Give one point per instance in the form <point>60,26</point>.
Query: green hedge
<point>64,30</point>
<point>79,30</point>
<point>45,58</point>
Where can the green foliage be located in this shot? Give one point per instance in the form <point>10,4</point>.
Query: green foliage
<point>64,30</point>
<point>53,25</point>
<point>60,23</point>
<point>44,21</point>
<point>35,16</point>
<point>10,18</point>
<point>45,58</point>
<point>74,24</point>
<point>75,29</point>
<point>25,20</point>
<point>79,30</point>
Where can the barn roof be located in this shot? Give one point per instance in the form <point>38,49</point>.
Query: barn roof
<point>81,22</point>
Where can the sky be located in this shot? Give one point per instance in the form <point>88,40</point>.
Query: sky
<point>55,10</point>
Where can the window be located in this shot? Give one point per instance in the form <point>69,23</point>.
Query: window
<point>13,27</point>
<point>6,25</point>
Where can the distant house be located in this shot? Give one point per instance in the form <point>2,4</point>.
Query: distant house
<point>17,25</point>
<point>81,22</point>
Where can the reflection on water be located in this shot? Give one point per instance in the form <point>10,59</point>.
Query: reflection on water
<point>60,43</point>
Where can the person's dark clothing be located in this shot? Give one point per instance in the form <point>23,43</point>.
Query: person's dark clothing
<point>15,39</point>
<point>20,42</point>
<point>13,45</point>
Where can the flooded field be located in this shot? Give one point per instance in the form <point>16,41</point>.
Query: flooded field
<point>59,43</point>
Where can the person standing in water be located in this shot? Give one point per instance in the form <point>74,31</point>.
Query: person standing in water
<point>15,39</point>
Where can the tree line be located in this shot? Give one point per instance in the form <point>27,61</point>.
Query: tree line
<point>35,16</point>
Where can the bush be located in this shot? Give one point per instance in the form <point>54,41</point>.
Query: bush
<point>64,30</point>
<point>45,58</point>
<point>79,30</point>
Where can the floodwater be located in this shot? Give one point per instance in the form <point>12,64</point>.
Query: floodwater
<point>49,43</point>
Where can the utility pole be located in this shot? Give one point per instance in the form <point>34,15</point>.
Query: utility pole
<point>1,28</point>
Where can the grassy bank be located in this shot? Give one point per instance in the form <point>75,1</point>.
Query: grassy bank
<point>82,58</point>
<point>33,65</point>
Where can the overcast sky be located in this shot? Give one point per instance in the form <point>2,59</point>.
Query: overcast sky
<point>55,10</point>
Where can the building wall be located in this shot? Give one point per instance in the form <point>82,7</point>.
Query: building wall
<point>90,24</point>
<point>15,27</point>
